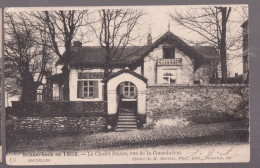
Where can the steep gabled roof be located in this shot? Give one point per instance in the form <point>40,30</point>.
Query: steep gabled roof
<point>94,56</point>
<point>208,52</point>
<point>172,39</point>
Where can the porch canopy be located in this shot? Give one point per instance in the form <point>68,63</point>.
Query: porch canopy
<point>125,75</point>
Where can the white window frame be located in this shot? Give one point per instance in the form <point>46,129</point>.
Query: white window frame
<point>129,85</point>
<point>169,79</point>
<point>88,86</point>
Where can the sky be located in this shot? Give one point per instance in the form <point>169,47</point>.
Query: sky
<point>157,21</point>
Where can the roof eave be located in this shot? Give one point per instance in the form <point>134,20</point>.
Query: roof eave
<point>171,38</point>
<point>125,71</point>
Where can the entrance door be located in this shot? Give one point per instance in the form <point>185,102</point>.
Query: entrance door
<point>127,107</point>
<point>128,96</point>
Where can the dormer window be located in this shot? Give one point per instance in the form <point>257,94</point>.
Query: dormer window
<point>168,52</point>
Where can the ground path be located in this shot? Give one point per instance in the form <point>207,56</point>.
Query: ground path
<point>218,132</point>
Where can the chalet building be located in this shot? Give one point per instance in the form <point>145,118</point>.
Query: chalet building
<point>167,61</point>
<point>245,52</point>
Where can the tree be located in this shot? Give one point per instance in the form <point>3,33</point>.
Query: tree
<point>118,29</point>
<point>27,56</point>
<point>213,24</point>
<point>62,28</point>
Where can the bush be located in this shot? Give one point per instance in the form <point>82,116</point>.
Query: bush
<point>242,111</point>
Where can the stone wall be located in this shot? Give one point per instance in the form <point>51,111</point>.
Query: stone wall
<point>58,117</point>
<point>179,101</point>
<point>52,125</point>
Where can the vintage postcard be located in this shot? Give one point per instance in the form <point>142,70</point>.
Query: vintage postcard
<point>0,83</point>
<point>127,85</point>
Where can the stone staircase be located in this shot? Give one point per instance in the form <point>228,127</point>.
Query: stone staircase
<point>126,120</point>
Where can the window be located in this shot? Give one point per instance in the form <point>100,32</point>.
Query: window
<point>169,52</point>
<point>168,80</point>
<point>39,95</point>
<point>245,61</point>
<point>169,76</point>
<point>129,90</point>
<point>61,89</point>
<point>88,89</point>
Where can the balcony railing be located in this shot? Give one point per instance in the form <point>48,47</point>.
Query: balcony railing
<point>174,62</point>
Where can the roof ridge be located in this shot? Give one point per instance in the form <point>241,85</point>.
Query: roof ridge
<point>120,46</point>
<point>203,46</point>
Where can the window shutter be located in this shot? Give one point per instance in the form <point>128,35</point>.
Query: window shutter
<point>95,89</point>
<point>103,92</point>
<point>80,89</point>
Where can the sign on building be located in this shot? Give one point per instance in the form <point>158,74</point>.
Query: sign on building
<point>91,75</point>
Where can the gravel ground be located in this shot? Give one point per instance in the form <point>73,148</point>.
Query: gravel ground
<point>192,134</point>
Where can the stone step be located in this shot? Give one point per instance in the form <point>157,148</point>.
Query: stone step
<point>126,126</point>
<point>126,120</point>
<point>126,123</point>
<point>121,111</point>
<point>126,114</point>
<point>124,129</point>
<point>126,117</point>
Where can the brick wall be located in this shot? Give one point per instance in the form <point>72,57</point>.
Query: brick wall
<point>58,117</point>
<point>177,101</point>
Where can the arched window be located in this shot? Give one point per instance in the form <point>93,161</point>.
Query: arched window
<point>128,90</point>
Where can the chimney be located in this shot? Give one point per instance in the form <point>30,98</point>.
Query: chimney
<point>236,75</point>
<point>149,39</point>
<point>77,44</point>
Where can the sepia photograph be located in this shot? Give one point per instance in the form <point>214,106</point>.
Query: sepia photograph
<point>127,84</point>
<point>0,84</point>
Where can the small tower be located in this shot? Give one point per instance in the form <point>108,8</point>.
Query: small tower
<point>149,39</point>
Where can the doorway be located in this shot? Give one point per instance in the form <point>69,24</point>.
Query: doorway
<point>127,96</point>
<point>127,107</point>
